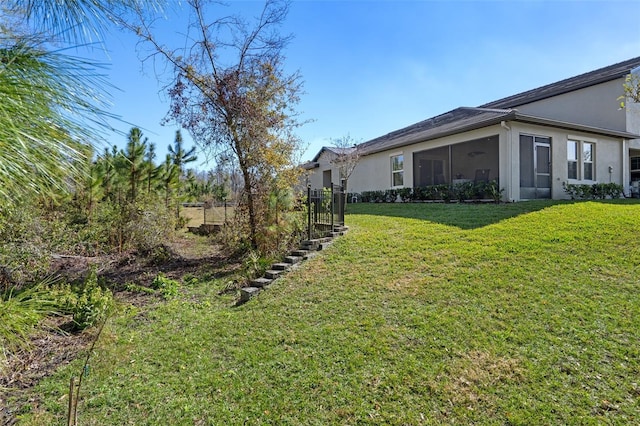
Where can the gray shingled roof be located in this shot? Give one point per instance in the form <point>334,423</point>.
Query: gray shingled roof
<point>332,149</point>
<point>464,118</point>
<point>455,121</point>
<point>581,81</point>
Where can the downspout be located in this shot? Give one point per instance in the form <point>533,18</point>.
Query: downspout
<point>625,169</point>
<point>509,170</point>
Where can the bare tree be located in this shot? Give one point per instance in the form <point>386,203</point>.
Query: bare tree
<point>347,157</point>
<point>229,90</point>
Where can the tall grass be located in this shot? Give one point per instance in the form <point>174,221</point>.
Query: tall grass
<point>20,312</point>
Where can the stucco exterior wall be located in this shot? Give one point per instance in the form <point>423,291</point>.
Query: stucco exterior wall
<point>596,106</point>
<point>315,176</point>
<point>608,152</point>
<point>373,171</point>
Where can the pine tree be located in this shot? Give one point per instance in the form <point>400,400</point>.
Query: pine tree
<point>135,154</point>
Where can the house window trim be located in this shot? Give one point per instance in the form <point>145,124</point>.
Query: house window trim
<point>400,171</point>
<point>580,142</point>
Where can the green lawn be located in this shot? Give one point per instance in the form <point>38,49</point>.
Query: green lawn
<point>525,313</point>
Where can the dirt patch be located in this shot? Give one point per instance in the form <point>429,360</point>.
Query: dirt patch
<point>53,347</point>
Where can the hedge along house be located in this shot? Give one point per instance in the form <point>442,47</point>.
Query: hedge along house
<point>572,131</point>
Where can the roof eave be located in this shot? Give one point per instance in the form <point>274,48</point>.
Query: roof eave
<point>511,116</point>
<point>532,119</point>
<point>418,139</point>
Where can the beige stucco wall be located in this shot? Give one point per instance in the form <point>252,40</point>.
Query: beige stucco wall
<point>608,152</point>
<point>373,172</point>
<point>596,106</point>
<point>315,176</point>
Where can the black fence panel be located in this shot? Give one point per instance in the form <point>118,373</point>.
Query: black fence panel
<point>325,210</point>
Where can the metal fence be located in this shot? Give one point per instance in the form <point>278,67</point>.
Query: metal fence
<point>325,210</point>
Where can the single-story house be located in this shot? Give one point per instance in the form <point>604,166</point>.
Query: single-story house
<point>531,143</point>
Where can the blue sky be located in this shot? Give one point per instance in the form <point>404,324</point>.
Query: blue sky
<point>372,67</point>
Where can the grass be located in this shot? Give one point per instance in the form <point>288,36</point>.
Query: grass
<point>421,314</point>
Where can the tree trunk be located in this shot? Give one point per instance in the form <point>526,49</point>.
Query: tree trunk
<point>250,207</point>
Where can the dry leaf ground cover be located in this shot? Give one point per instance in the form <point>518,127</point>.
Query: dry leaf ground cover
<point>422,314</point>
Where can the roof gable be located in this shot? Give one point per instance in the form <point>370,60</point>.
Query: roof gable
<point>333,150</point>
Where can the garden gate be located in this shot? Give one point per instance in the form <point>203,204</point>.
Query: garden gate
<point>325,210</point>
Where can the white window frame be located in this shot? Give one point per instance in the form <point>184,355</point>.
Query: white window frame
<point>582,160</point>
<point>395,172</point>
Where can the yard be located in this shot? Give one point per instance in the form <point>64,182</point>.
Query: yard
<point>524,313</point>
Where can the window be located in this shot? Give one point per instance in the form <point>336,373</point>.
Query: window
<point>580,160</point>
<point>587,160</point>
<point>397,170</point>
<point>572,158</point>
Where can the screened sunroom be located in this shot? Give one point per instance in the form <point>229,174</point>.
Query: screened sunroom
<point>472,161</point>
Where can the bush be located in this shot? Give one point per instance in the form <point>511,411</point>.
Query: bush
<point>406,194</point>
<point>493,190</point>
<point>374,196</point>
<point>464,191</point>
<point>24,246</point>
<point>94,303</point>
<point>599,191</point>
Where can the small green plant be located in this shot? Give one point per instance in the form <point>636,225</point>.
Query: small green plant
<point>493,190</point>
<point>255,265</point>
<point>190,279</point>
<point>166,286</point>
<point>137,288</point>
<point>94,303</point>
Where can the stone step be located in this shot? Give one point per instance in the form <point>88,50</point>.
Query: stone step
<point>310,244</point>
<point>324,246</point>
<point>300,253</point>
<point>281,266</point>
<point>292,259</point>
<point>261,282</point>
<point>247,293</point>
<point>272,274</point>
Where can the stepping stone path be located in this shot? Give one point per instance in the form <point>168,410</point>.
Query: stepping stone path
<point>308,249</point>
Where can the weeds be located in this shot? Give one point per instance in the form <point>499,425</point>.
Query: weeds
<point>167,287</point>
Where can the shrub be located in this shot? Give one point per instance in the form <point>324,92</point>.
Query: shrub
<point>599,191</point>
<point>464,191</point>
<point>255,265</point>
<point>374,196</point>
<point>493,190</point>
<point>94,303</point>
<point>24,246</point>
<point>406,194</point>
